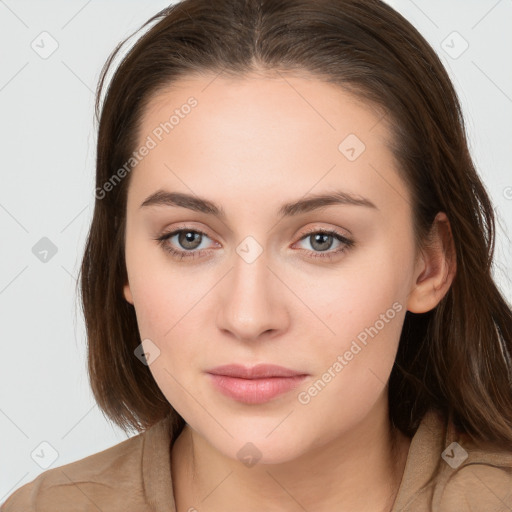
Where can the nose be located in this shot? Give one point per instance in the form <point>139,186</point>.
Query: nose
<point>252,301</point>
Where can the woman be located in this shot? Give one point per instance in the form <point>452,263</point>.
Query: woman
<point>287,282</point>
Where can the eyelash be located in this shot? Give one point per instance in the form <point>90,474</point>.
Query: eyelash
<point>178,254</point>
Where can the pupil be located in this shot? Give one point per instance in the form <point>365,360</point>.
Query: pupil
<point>321,239</point>
<point>187,239</point>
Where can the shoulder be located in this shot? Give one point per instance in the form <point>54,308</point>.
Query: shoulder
<point>86,484</point>
<point>482,482</point>
<point>479,487</point>
<point>449,471</point>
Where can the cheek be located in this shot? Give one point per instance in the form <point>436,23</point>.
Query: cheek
<point>353,297</point>
<point>153,308</point>
<point>361,309</point>
<point>352,364</point>
<point>167,303</point>
<point>168,318</point>
<point>162,292</point>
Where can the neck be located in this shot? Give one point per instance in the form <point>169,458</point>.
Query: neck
<point>360,470</point>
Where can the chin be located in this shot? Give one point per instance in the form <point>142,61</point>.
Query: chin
<point>256,447</point>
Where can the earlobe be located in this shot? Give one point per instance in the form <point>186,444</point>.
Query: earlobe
<point>436,268</point>
<point>128,293</point>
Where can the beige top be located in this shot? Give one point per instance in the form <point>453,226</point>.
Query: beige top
<point>135,475</point>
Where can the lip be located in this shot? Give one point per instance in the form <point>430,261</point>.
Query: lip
<point>255,372</point>
<point>254,385</point>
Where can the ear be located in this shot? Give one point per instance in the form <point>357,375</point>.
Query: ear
<point>128,293</point>
<point>435,268</point>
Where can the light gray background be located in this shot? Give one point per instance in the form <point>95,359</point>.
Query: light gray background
<point>47,190</point>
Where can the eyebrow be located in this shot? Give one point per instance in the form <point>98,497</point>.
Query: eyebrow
<point>305,205</point>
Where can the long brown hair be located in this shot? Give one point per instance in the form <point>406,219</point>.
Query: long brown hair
<point>454,358</point>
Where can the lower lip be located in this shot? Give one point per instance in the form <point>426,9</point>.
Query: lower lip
<point>255,391</point>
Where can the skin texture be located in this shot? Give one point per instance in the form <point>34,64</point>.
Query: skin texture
<point>250,145</point>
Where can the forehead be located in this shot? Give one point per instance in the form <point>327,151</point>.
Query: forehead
<point>303,97</point>
<point>280,130</point>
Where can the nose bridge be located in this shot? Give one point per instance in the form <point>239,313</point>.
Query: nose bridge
<point>250,305</point>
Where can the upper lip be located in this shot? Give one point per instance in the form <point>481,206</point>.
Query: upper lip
<point>254,372</point>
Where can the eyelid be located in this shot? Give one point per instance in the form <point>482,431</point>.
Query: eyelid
<point>308,231</point>
<point>346,241</point>
<point>319,229</point>
<point>183,227</point>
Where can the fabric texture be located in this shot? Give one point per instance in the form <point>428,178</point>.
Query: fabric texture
<point>135,475</point>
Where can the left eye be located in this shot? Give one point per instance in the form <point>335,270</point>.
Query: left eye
<point>319,239</point>
<point>190,239</point>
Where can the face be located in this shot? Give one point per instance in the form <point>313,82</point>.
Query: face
<point>322,291</point>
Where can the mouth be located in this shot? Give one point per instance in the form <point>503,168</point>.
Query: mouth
<point>254,385</point>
